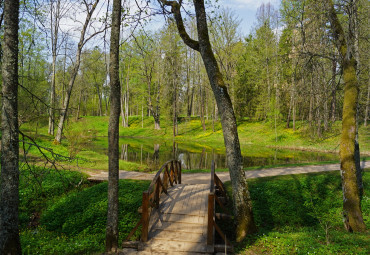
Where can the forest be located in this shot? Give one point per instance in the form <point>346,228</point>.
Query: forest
<point>94,85</point>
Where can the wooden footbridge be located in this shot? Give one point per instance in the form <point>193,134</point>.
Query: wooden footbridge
<point>178,218</point>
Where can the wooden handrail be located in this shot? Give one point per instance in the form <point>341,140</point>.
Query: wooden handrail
<point>212,198</point>
<point>168,174</point>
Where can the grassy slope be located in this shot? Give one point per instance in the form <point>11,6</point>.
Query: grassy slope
<point>254,138</point>
<point>292,211</point>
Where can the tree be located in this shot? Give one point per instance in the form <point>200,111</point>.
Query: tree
<point>242,201</point>
<point>90,8</point>
<point>55,17</point>
<point>353,219</point>
<point>9,179</point>
<point>111,239</point>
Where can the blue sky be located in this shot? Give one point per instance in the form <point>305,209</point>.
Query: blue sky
<point>246,11</point>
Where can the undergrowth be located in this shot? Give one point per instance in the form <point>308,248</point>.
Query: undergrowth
<point>301,214</point>
<point>66,215</point>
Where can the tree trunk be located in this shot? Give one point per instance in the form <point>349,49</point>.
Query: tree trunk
<point>201,105</point>
<point>123,111</point>
<point>111,238</point>
<point>334,89</point>
<point>242,202</point>
<point>353,219</point>
<point>100,100</point>
<point>63,112</point>
<point>9,175</point>
<point>54,45</point>
<point>79,106</point>
<point>367,105</point>
<point>52,97</point>
<point>127,95</point>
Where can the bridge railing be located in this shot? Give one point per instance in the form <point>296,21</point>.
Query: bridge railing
<point>217,194</point>
<point>168,174</point>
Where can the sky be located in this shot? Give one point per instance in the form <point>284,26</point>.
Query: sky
<point>246,11</point>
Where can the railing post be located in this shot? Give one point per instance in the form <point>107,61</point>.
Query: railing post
<point>157,189</point>
<point>172,172</point>
<point>145,216</point>
<point>210,229</point>
<point>165,178</point>
<point>175,171</point>
<point>179,162</point>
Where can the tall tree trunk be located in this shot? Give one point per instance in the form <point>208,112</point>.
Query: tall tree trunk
<point>353,219</point>
<point>127,95</point>
<point>123,111</point>
<point>76,66</point>
<point>367,105</point>
<point>100,99</point>
<point>54,45</point>
<point>79,106</point>
<point>111,238</point>
<point>242,201</point>
<point>52,96</point>
<point>9,176</point>
<point>201,105</point>
<point>334,90</point>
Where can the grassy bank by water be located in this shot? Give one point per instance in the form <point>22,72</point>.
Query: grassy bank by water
<point>301,214</point>
<point>86,141</point>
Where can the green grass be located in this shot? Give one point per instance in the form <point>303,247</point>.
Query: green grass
<point>291,213</point>
<point>86,139</point>
<point>66,215</point>
<point>61,213</point>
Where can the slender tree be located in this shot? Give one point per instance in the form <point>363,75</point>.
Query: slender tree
<point>55,16</point>
<point>90,8</point>
<point>353,219</point>
<point>9,177</point>
<point>242,201</point>
<point>111,240</point>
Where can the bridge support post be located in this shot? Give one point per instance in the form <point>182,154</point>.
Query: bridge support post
<point>210,228</point>
<point>145,217</point>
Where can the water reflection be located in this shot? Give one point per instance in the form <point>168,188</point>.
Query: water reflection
<point>193,156</point>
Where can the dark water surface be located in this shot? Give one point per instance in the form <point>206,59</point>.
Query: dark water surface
<point>199,156</point>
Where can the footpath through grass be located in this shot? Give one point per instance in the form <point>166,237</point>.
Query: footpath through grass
<point>301,214</point>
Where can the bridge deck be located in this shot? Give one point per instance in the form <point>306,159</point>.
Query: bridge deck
<point>180,223</point>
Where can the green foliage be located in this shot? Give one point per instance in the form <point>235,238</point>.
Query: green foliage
<point>74,222</point>
<point>38,185</point>
<point>300,214</point>
<point>79,140</point>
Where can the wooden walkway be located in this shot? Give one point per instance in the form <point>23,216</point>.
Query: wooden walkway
<point>180,223</point>
<point>177,218</point>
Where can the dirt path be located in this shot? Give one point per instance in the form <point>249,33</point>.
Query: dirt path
<point>204,178</point>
